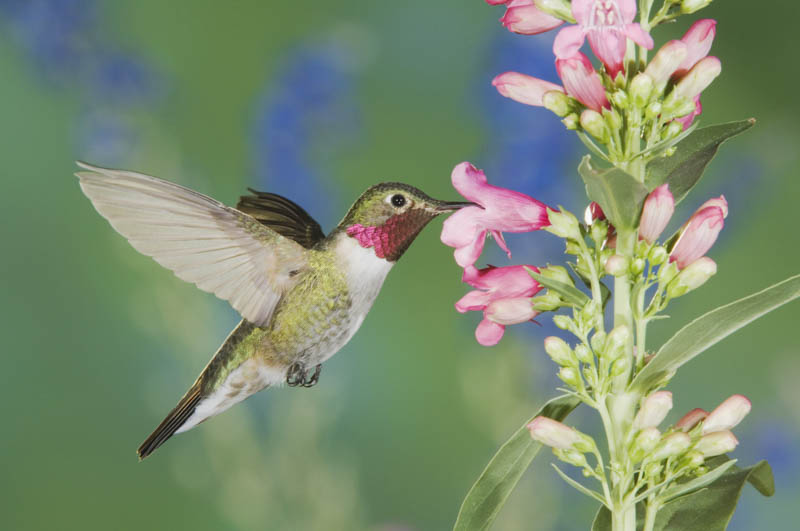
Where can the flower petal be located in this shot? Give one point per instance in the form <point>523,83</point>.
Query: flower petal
<point>469,181</point>
<point>488,333</point>
<point>568,41</point>
<point>635,33</point>
<point>581,10</point>
<point>468,254</point>
<point>501,242</point>
<point>473,301</point>
<point>698,42</point>
<point>510,311</point>
<point>582,82</point>
<point>462,227</point>
<point>609,45</point>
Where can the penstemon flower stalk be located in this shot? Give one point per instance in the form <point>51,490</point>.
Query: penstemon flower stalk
<point>637,114</point>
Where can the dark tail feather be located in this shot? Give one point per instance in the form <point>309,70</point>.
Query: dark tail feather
<point>172,423</point>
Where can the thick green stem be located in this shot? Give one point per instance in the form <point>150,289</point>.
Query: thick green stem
<point>626,239</point>
<point>650,514</point>
<point>641,330</point>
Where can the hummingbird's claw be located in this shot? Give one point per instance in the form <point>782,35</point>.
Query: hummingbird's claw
<point>297,375</point>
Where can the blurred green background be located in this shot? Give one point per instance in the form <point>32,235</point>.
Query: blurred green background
<point>318,100</point>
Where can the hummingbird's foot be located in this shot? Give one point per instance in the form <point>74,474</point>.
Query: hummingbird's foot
<point>311,382</point>
<point>297,375</point>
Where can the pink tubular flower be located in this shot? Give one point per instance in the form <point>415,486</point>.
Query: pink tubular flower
<point>728,414</point>
<point>503,295</point>
<point>582,82</point>
<point>698,43</point>
<point>690,420</point>
<point>498,210</point>
<point>694,78</point>
<point>495,283</point>
<point>607,24</point>
<point>700,232</point>
<point>658,209</point>
<point>523,88</point>
<point>555,434</point>
<point>523,17</point>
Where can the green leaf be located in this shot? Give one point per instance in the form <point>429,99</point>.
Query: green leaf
<point>487,496</point>
<point>569,293</point>
<point>685,167</point>
<point>710,508</point>
<point>711,328</point>
<point>617,192</point>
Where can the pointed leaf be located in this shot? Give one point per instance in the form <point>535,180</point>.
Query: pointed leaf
<point>711,328</point>
<point>685,167</point>
<point>490,491</point>
<point>617,192</point>
<point>710,508</point>
<point>569,293</point>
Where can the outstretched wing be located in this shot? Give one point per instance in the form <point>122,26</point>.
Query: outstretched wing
<point>218,248</point>
<point>285,217</point>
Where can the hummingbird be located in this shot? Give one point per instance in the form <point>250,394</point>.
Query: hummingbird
<point>302,295</point>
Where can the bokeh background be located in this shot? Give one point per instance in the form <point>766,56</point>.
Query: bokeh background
<point>317,100</point>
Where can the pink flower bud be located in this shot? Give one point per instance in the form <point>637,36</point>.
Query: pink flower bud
<point>510,311</point>
<point>523,88</point>
<point>554,434</point>
<point>666,62</point>
<point>728,414</point>
<point>523,17</point>
<point>716,443</point>
<point>654,409</point>
<point>700,232</point>
<point>698,79</point>
<point>582,82</point>
<point>657,211</point>
<point>698,43</point>
<point>690,420</point>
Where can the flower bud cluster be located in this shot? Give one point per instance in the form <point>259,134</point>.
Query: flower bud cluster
<point>589,367</point>
<point>683,448</point>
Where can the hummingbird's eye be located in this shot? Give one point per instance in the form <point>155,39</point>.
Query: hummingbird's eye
<point>398,200</point>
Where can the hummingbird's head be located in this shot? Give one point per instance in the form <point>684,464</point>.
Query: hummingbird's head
<point>388,216</point>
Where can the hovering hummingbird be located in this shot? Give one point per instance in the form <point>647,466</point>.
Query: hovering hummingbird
<point>302,295</point>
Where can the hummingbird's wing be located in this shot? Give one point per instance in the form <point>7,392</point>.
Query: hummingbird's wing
<point>216,247</point>
<point>282,215</point>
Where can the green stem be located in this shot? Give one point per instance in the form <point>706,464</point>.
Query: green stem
<point>641,329</point>
<point>650,514</point>
<point>626,239</point>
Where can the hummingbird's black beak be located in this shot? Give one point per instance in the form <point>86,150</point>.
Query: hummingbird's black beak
<point>449,206</point>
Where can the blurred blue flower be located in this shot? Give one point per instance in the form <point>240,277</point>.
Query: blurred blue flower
<point>53,32</point>
<point>64,43</point>
<point>305,115</point>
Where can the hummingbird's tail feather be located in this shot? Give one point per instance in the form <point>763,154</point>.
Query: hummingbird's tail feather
<point>174,420</point>
<point>235,372</point>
